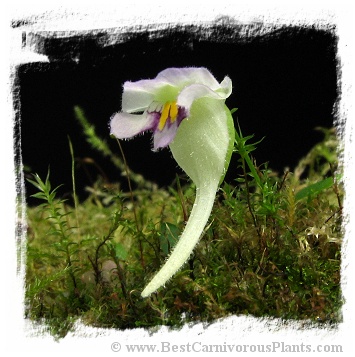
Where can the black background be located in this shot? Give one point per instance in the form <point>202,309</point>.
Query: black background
<point>284,85</point>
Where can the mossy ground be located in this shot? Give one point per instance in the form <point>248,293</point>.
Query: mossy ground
<point>272,248</point>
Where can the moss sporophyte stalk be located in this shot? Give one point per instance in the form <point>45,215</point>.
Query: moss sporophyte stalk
<point>185,109</point>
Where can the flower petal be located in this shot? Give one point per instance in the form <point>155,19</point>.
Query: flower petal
<point>195,91</point>
<point>125,125</point>
<point>166,136</point>
<point>181,77</point>
<point>225,87</point>
<point>138,95</point>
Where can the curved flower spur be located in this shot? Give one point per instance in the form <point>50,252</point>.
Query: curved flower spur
<point>185,109</point>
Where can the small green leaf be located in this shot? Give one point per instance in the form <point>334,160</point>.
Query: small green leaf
<point>169,234</point>
<point>315,188</point>
<point>121,252</point>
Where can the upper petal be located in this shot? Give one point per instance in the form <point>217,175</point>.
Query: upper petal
<point>181,77</point>
<point>225,88</point>
<point>195,91</point>
<point>125,125</point>
<point>138,95</point>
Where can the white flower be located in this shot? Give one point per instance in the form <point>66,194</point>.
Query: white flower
<point>165,101</point>
<point>184,108</point>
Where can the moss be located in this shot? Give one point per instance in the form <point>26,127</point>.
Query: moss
<point>268,250</point>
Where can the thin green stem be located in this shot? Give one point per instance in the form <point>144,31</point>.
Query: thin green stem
<point>75,196</point>
<point>133,203</point>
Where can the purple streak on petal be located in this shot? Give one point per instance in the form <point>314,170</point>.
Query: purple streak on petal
<point>182,114</point>
<point>154,110</point>
<point>125,125</point>
<point>166,136</point>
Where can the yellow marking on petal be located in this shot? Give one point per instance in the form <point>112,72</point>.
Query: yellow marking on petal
<point>173,112</point>
<point>170,110</point>
<point>164,116</point>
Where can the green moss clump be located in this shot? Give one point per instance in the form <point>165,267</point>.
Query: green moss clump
<point>272,248</point>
